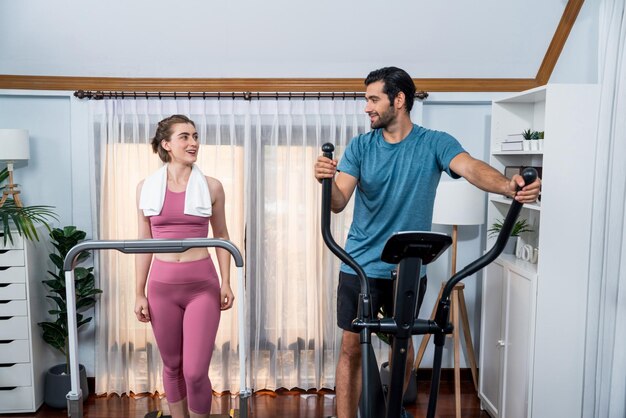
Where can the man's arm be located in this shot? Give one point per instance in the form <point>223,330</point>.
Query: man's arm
<point>343,185</point>
<point>487,178</point>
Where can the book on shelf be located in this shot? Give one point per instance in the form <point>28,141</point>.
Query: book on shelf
<point>512,146</point>
<point>514,138</point>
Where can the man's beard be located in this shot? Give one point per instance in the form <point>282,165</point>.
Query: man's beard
<point>384,119</point>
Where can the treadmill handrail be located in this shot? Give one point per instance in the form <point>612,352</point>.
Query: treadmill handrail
<point>152,246</point>
<point>74,396</point>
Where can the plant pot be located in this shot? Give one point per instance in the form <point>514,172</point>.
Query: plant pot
<point>58,384</point>
<point>410,396</point>
<point>509,248</point>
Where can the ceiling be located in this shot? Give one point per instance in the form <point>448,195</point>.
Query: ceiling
<point>443,40</point>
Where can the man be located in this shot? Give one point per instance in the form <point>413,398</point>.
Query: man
<point>395,169</point>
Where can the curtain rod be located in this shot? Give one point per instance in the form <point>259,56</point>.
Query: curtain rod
<point>246,95</point>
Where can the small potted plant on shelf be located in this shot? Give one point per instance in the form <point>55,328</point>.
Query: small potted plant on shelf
<point>55,332</point>
<point>520,226</point>
<point>540,140</point>
<point>21,219</point>
<point>527,135</point>
<point>530,140</point>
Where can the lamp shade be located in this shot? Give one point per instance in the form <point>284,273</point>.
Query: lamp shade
<point>14,145</point>
<point>458,202</point>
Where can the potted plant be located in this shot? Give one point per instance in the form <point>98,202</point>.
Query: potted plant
<point>528,136</point>
<point>530,140</point>
<point>540,140</point>
<point>55,332</point>
<point>521,225</point>
<point>22,219</point>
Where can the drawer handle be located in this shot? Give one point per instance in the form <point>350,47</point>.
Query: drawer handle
<point>5,318</point>
<point>4,284</point>
<point>6,341</point>
<point>7,364</point>
<point>4,251</point>
<point>5,268</point>
<point>8,388</point>
<point>4,301</point>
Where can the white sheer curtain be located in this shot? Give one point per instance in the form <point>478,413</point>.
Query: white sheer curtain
<point>605,365</point>
<point>263,152</point>
<point>126,355</point>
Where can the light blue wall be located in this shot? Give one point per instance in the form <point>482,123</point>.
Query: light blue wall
<point>57,172</point>
<point>471,125</point>
<point>47,177</point>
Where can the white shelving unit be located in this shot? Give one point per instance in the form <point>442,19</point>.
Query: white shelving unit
<point>532,315</point>
<point>24,356</point>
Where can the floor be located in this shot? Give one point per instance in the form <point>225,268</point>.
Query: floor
<point>267,404</point>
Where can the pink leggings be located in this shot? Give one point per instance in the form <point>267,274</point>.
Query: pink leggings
<point>184,300</point>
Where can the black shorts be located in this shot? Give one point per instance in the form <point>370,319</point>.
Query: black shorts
<point>381,294</point>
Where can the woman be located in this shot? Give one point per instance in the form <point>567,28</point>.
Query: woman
<point>184,293</point>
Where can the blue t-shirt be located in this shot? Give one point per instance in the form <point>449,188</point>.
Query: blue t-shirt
<point>395,190</point>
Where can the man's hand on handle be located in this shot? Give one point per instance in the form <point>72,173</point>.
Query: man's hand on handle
<point>324,168</point>
<point>527,193</point>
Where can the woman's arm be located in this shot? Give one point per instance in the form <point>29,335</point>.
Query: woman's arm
<point>220,230</point>
<point>142,265</point>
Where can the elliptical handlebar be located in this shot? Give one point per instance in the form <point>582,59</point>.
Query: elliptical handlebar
<point>530,175</point>
<point>327,188</point>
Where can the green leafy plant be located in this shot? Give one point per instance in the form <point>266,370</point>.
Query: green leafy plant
<point>530,134</point>
<point>22,219</point>
<point>55,332</point>
<point>520,226</point>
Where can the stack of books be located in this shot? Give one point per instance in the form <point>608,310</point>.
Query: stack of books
<point>512,142</point>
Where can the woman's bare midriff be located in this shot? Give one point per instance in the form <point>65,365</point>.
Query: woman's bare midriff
<point>191,254</point>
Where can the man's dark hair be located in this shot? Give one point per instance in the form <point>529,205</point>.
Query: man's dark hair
<point>395,80</point>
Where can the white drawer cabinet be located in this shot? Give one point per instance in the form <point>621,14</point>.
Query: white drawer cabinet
<point>24,357</point>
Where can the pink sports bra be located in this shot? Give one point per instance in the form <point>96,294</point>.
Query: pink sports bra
<point>172,223</point>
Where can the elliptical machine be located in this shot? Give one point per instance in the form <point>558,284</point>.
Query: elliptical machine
<point>409,250</point>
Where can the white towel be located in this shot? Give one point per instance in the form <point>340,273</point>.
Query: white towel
<point>197,197</point>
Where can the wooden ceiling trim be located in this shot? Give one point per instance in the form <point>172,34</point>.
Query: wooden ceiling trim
<point>252,84</point>
<point>558,40</point>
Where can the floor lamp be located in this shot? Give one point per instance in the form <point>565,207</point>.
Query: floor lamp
<point>457,203</point>
<point>13,147</point>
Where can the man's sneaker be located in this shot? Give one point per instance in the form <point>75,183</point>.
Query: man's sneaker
<point>405,414</point>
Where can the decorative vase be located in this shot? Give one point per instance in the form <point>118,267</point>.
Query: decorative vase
<point>509,248</point>
<point>540,144</point>
<point>534,145</point>
<point>57,385</point>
